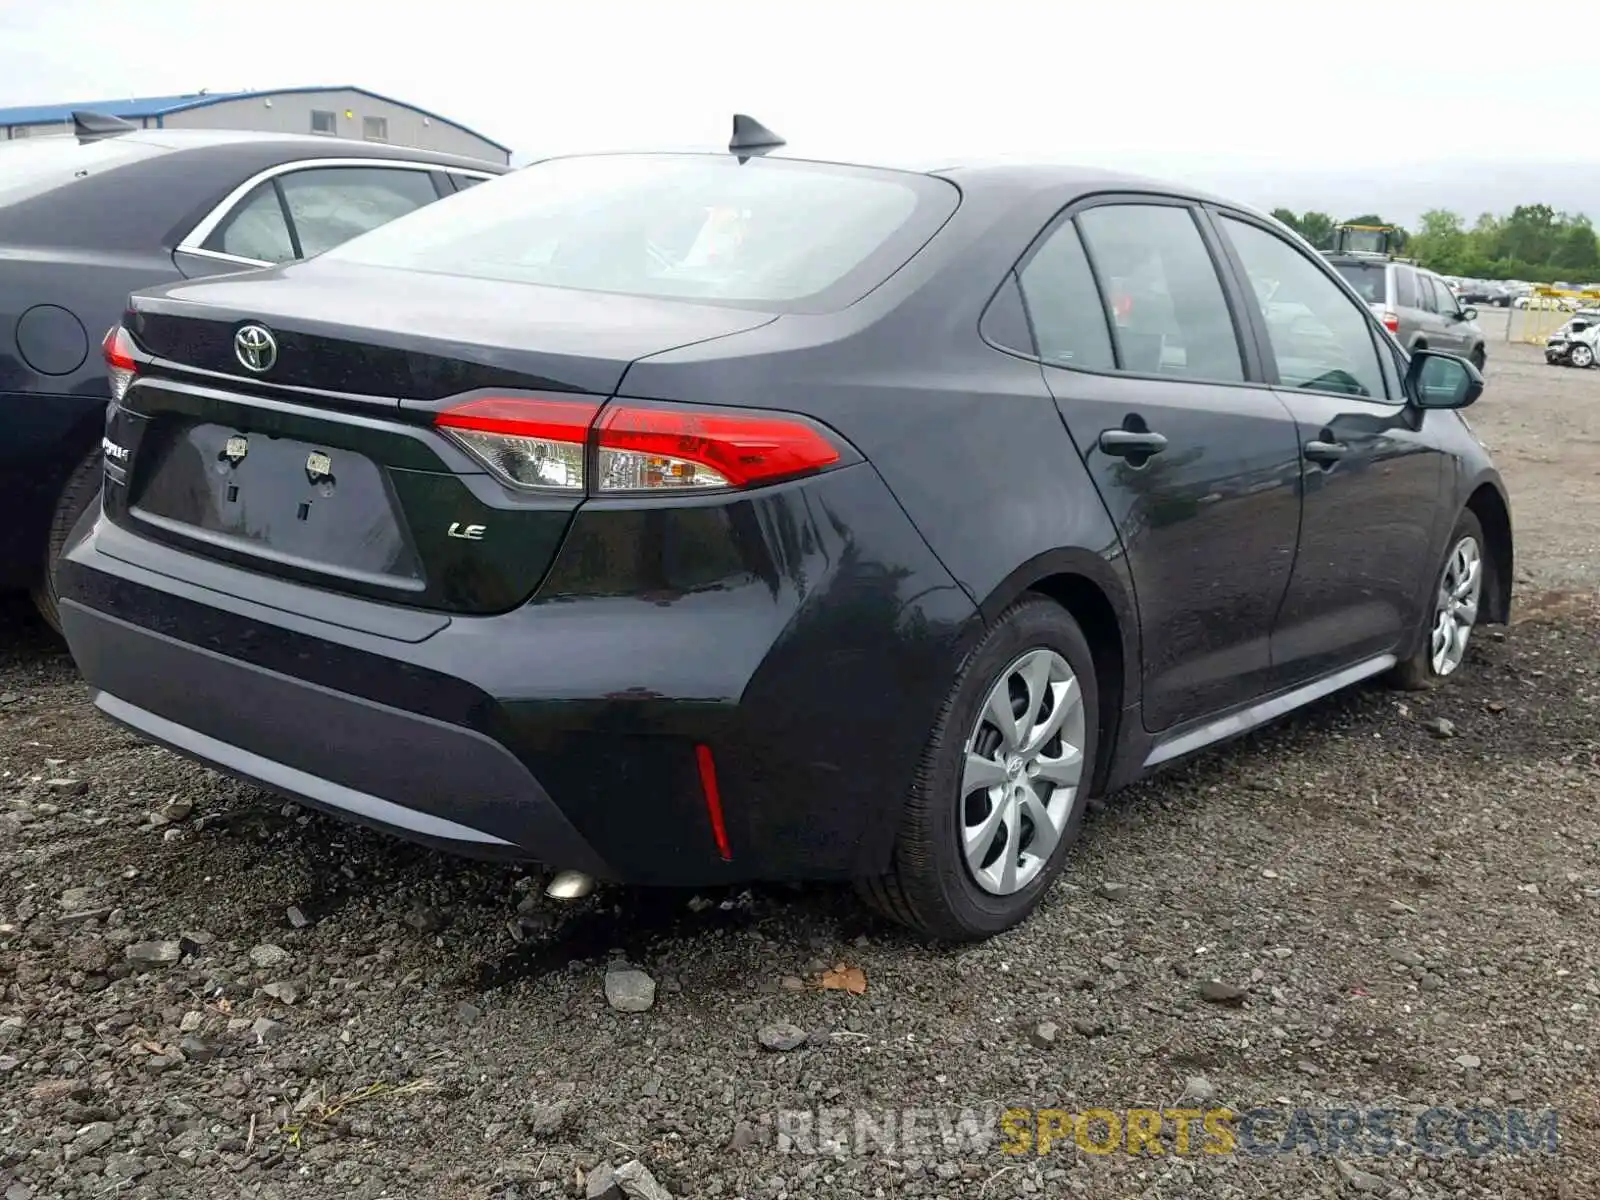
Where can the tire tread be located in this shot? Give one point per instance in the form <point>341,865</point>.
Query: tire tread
<point>77,494</point>
<point>894,893</point>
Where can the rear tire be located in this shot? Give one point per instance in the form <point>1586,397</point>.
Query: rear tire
<point>80,493</point>
<point>1425,669</point>
<point>975,776</point>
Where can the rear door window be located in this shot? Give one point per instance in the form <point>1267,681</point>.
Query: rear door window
<point>1169,313</point>
<point>1405,287</point>
<point>1428,294</point>
<point>330,205</point>
<point>302,213</point>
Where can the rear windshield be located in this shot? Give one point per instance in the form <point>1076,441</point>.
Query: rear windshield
<point>30,167</point>
<point>767,233</point>
<point>1366,278</point>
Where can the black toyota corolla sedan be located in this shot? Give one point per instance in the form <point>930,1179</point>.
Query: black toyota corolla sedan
<point>682,519</point>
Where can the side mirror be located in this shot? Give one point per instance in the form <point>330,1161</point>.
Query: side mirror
<point>1469,314</point>
<point>1436,380</point>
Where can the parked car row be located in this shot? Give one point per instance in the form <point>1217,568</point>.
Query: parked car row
<point>698,518</point>
<point>1516,293</point>
<point>1539,302</point>
<point>1482,291</point>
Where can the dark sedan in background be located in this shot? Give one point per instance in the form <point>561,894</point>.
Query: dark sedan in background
<point>684,519</point>
<point>85,220</point>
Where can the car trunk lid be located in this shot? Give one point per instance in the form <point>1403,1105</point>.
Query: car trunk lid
<point>323,466</point>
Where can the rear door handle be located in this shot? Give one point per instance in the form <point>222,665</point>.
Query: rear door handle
<point>1126,443</point>
<point>1326,453</point>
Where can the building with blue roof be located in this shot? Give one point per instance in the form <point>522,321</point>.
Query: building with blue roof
<point>334,112</point>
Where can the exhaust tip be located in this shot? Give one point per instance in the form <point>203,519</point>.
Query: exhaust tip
<point>570,885</point>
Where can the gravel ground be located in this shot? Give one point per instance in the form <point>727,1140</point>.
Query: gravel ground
<point>207,993</point>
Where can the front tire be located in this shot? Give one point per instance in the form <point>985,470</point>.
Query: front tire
<point>1000,792</point>
<point>80,493</point>
<point>1477,358</point>
<point>1581,356</point>
<point>1457,596</point>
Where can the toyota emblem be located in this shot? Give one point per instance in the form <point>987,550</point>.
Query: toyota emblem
<point>255,348</point>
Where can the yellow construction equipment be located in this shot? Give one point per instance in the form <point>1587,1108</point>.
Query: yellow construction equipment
<point>1365,239</point>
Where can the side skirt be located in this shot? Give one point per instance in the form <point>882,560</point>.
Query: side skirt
<point>1187,739</point>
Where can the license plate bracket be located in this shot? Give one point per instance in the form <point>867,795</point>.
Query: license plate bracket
<point>277,497</point>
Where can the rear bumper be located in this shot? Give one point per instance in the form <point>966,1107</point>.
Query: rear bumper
<point>423,778</point>
<point>564,731</point>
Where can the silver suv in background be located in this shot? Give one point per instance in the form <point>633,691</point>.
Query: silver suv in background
<point>1414,304</point>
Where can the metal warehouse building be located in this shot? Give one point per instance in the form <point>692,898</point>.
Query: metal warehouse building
<point>335,112</point>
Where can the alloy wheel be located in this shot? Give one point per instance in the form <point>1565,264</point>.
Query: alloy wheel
<point>1456,610</point>
<point>1582,356</point>
<point>1022,766</point>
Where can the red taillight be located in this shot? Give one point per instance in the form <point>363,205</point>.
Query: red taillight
<point>553,420</point>
<point>529,443</point>
<point>118,349</point>
<point>1391,322</point>
<point>637,447</point>
<point>646,449</point>
<point>121,366</point>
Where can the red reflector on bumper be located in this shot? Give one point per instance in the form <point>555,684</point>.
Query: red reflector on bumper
<point>713,797</point>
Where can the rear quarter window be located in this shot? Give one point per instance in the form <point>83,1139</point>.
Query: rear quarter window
<point>771,234</point>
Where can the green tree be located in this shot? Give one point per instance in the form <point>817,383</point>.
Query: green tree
<point>1533,242</point>
<point>1317,228</point>
<point>1530,234</point>
<point>1441,242</point>
<point>1576,250</point>
<point>1286,215</point>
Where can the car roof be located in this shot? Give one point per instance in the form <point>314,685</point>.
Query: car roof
<point>146,198</point>
<point>994,178</point>
<point>180,140</point>
<point>1022,177</point>
<point>1068,177</point>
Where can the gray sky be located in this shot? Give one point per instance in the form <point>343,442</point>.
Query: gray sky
<point>1199,90</point>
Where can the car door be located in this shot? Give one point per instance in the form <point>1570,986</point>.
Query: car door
<point>301,210</point>
<point>1371,485</point>
<point>1197,467</point>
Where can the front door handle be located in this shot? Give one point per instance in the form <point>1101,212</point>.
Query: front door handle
<point>1326,453</point>
<point>1128,443</point>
